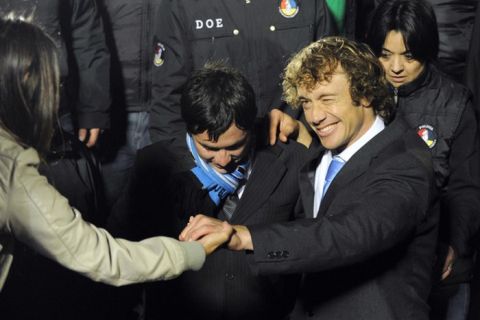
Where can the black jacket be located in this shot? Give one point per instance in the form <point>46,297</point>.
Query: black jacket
<point>455,21</point>
<point>128,24</point>
<point>254,36</point>
<point>472,72</point>
<point>369,252</point>
<point>160,199</point>
<point>76,27</point>
<point>441,110</point>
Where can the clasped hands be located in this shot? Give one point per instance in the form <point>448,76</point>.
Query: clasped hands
<point>213,233</point>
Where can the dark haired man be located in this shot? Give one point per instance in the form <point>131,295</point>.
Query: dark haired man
<point>255,37</point>
<point>231,180</point>
<point>367,243</point>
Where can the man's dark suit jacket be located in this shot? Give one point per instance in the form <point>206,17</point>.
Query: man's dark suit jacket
<point>369,253</point>
<point>160,199</point>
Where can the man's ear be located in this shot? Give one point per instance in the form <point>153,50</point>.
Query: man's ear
<point>366,103</point>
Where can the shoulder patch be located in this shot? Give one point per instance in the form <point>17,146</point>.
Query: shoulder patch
<point>428,134</point>
<point>288,8</point>
<point>158,58</point>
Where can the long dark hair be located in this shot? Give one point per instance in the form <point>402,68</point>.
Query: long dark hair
<point>29,83</point>
<point>414,19</point>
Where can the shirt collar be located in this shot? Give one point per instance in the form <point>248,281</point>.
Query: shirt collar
<point>377,126</point>
<point>321,171</point>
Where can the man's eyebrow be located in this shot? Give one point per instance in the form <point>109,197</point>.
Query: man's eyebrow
<point>320,96</point>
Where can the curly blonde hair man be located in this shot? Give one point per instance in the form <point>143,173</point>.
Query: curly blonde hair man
<point>318,62</point>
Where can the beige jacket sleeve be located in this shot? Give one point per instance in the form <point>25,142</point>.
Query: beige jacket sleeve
<point>40,217</point>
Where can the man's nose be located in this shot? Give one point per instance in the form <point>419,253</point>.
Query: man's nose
<point>222,158</point>
<point>318,114</point>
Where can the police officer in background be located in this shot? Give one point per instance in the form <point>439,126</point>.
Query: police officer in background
<point>257,37</point>
<point>472,71</point>
<point>84,60</point>
<point>128,26</point>
<point>455,20</point>
<point>472,80</point>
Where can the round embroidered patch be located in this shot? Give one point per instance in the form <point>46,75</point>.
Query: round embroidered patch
<point>288,8</point>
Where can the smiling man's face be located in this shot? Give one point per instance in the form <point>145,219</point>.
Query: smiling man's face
<point>331,113</point>
<point>225,154</point>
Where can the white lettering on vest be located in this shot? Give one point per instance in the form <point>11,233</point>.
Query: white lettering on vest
<point>209,23</point>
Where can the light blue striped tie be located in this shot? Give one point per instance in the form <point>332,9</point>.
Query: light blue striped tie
<point>334,167</point>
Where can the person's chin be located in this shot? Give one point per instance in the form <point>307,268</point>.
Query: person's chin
<point>333,142</point>
<point>397,81</point>
<point>229,168</point>
<point>218,169</point>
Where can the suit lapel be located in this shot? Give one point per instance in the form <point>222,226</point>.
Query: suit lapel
<point>350,171</point>
<point>267,172</point>
<point>307,182</point>
<point>360,162</point>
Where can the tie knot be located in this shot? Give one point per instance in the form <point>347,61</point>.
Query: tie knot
<point>335,165</point>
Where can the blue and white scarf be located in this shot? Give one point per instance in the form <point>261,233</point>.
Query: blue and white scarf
<point>219,185</point>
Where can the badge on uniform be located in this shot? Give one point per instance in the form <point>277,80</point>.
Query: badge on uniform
<point>428,135</point>
<point>159,51</point>
<point>288,8</point>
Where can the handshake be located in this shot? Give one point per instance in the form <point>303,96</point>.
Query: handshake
<point>212,233</point>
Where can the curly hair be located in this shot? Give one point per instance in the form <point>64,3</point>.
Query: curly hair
<point>318,62</point>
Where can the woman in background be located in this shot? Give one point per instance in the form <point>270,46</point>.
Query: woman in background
<point>404,35</point>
